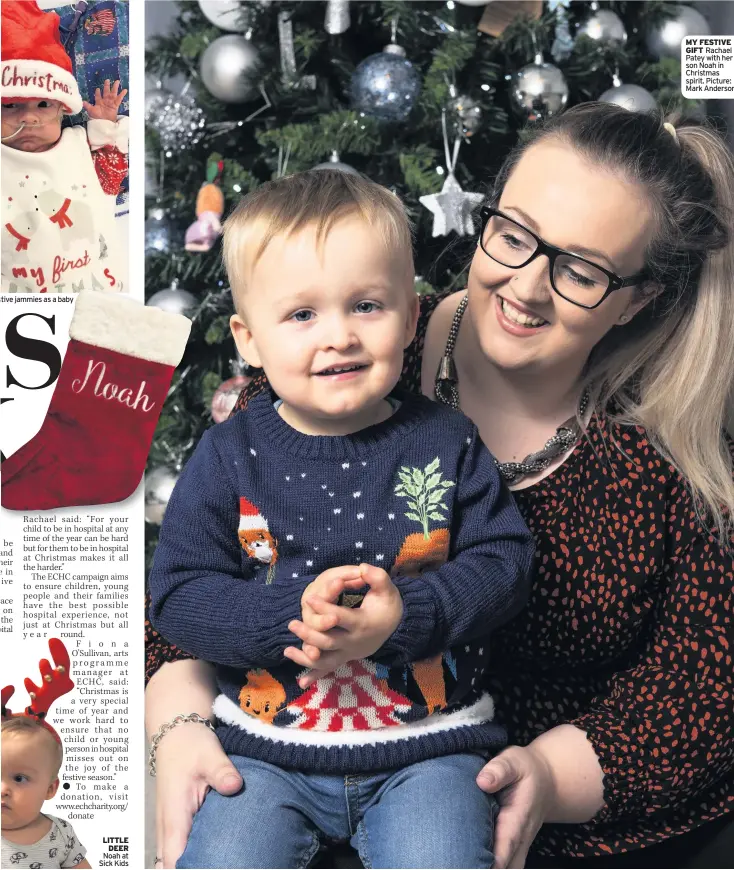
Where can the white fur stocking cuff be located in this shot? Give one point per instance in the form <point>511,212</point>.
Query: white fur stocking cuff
<point>121,324</point>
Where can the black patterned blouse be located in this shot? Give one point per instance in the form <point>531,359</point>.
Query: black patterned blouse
<point>628,635</point>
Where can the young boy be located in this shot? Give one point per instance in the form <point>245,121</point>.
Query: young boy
<point>58,196</point>
<point>284,526</point>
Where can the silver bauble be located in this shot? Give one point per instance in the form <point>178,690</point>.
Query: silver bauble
<point>157,230</point>
<point>538,90</point>
<point>386,85</point>
<point>665,39</point>
<point>335,163</point>
<point>226,14</point>
<point>604,26</point>
<point>229,69</point>
<point>179,122</point>
<point>468,114</point>
<point>159,484</point>
<point>631,97</point>
<point>474,2</point>
<point>174,300</point>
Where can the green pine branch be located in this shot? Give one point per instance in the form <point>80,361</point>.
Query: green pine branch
<point>311,142</point>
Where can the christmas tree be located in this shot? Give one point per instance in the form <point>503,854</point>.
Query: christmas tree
<point>277,87</point>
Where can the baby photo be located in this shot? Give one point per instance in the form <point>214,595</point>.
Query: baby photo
<point>32,754</point>
<point>64,147</point>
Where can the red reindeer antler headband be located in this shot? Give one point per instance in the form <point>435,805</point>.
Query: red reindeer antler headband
<point>55,682</point>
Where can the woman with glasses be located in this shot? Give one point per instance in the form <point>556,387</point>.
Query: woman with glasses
<point>594,349</point>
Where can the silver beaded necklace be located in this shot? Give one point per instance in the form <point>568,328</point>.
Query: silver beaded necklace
<point>447,391</point>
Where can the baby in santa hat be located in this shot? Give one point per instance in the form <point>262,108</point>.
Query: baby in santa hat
<point>58,187</point>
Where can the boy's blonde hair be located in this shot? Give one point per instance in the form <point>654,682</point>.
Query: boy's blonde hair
<point>321,197</point>
<point>30,726</point>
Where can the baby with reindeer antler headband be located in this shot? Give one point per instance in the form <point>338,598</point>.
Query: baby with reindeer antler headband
<point>31,758</point>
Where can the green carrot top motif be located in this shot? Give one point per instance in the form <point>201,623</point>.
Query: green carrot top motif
<point>425,491</point>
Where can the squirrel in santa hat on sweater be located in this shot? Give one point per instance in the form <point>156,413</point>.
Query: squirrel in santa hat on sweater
<point>58,187</point>
<point>255,537</point>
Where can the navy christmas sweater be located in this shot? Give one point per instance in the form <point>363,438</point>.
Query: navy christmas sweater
<point>261,509</point>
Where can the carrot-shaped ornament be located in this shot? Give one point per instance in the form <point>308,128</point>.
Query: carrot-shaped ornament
<point>202,234</point>
<point>55,682</point>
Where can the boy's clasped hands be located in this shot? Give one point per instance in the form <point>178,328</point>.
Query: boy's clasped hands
<point>333,634</point>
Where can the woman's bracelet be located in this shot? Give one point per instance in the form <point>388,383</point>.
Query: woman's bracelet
<point>166,727</point>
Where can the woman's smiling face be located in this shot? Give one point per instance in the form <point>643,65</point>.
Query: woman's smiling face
<point>575,205</point>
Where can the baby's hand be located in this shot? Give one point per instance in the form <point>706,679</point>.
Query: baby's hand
<point>346,634</point>
<point>106,102</point>
<point>328,586</point>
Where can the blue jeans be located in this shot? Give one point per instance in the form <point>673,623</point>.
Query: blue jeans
<point>431,814</point>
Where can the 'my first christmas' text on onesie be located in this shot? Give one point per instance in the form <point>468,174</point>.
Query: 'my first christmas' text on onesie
<point>58,223</point>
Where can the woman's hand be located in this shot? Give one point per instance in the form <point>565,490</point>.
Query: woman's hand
<point>523,783</point>
<point>189,758</point>
<point>189,761</point>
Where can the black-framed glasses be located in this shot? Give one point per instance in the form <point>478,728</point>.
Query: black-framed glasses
<point>574,278</point>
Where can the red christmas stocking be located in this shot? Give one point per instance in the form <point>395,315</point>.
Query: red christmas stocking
<point>94,442</point>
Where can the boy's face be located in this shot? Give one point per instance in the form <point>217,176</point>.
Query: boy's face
<point>28,777</point>
<point>33,125</point>
<point>329,324</point>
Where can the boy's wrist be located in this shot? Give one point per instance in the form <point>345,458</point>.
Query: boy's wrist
<point>416,625</point>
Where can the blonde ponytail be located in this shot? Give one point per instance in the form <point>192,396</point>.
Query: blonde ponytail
<point>683,371</point>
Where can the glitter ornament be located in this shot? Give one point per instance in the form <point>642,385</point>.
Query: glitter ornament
<point>154,100</point>
<point>159,484</point>
<point>665,40</point>
<point>157,230</point>
<point>229,69</point>
<point>538,90</point>
<point>452,208</point>
<point>337,17</point>
<point>179,122</point>
<point>562,41</point>
<point>288,65</point>
<point>467,113</point>
<point>386,85</point>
